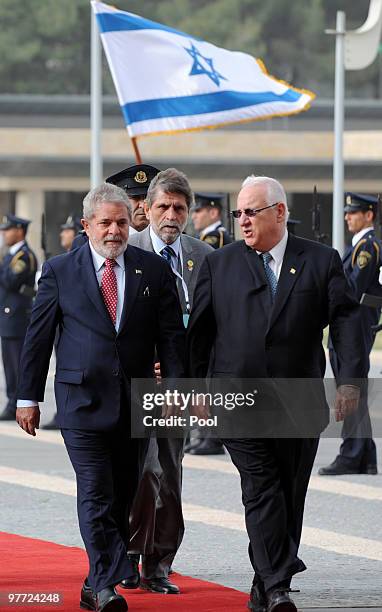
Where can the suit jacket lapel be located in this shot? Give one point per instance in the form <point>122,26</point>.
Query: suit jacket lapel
<point>133,279</point>
<point>291,268</point>
<point>90,283</point>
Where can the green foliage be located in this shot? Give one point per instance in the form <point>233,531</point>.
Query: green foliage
<point>45,46</point>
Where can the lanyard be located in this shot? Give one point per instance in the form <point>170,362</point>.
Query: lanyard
<point>180,276</point>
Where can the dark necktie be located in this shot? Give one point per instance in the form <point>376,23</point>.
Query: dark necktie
<point>167,252</point>
<point>271,276</point>
<point>109,288</point>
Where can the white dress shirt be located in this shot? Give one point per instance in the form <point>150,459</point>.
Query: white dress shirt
<point>159,245</point>
<point>119,269</point>
<point>15,247</point>
<point>99,266</point>
<point>357,237</point>
<point>278,252</point>
<point>210,228</point>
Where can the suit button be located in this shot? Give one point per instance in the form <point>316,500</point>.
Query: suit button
<point>115,372</point>
<point>7,310</point>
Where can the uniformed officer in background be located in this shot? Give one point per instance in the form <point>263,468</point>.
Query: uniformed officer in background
<point>361,261</point>
<point>135,180</point>
<point>206,215</point>
<point>17,281</point>
<point>69,231</point>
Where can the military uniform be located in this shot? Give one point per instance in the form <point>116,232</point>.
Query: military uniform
<point>361,262</point>
<point>216,237</point>
<point>17,280</point>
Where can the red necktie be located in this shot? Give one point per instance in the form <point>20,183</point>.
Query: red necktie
<point>109,288</point>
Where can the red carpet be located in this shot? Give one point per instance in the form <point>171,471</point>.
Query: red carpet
<point>35,566</point>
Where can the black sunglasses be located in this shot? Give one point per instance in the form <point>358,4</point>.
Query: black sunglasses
<point>250,212</point>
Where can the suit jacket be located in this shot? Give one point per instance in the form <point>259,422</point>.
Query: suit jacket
<point>233,317</point>
<point>17,279</point>
<point>193,252</point>
<point>92,357</point>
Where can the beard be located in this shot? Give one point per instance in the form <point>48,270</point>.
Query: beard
<point>109,247</point>
<point>169,231</point>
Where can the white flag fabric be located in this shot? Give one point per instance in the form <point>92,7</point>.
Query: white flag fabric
<point>168,81</point>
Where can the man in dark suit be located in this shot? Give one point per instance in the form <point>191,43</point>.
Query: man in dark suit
<point>361,261</point>
<point>206,217</point>
<point>157,525</point>
<point>260,306</point>
<point>17,280</point>
<point>113,305</point>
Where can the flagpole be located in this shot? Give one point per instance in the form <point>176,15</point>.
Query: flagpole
<point>137,152</point>
<point>96,171</point>
<point>338,238</point>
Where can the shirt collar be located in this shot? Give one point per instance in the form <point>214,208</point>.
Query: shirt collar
<point>99,260</point>
<point>359,235</point>
<point>278,251</point>
<point>15,247</point>
<point>210,228</point>
<point>159,245</point>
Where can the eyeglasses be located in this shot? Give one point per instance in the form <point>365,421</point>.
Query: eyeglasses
<point>250,212</point>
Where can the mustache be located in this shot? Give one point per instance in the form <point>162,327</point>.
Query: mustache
<point>112,239</point>
<point>170,224</point>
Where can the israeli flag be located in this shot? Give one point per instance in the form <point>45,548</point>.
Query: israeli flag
<point>168,81</point>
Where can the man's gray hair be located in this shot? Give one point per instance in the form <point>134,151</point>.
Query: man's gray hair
<point>107,192</point>
<point>170,181</point>
<point>275,191</point>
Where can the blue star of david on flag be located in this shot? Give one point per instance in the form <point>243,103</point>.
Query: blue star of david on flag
<point>204,65</point>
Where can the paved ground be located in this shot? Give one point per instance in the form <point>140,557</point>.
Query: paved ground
<point>342,540</point>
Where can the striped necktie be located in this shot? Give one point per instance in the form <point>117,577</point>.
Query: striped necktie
<point>271,276</point>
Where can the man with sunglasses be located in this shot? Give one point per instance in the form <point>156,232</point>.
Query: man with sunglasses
<point>260,306</point>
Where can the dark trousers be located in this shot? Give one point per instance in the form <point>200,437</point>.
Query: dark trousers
<point>358,447</point>
<point>274,479</point>
<point>156,520</point>
<point>11,351</point>
<point>107,467</point>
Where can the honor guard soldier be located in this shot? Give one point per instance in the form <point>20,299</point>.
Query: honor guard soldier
<point>17,280</point>
<point>361,262</point>
<point>69,231</point>
<point>135,180</point>
<point>206,217</point>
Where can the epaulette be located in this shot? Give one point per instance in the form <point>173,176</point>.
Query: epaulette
<point>17,265</point>
<point>362,257</point>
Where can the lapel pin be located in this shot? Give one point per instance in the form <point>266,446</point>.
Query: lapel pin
<point>190,265</point>
<point>146,292</point>
<point>138,271</point>
<point>292,270</point>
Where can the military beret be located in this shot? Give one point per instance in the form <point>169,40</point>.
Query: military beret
<point>9,221</point>
<point>359,202</point>
<point>135,180</point>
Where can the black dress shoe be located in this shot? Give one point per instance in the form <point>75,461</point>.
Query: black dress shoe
<point>369,468</point>
<point>337,468</point>
<point>208,446</point>
<point>279,601</point>
<point>159,585</point>
<point>108,600</point>
<point>257,599</point>
<point>88,598</point>
<point>51,425</point>
<point>132,581</point>
<point>8,415</point>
